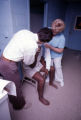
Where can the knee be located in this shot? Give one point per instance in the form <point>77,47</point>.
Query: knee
<point>42,81</point>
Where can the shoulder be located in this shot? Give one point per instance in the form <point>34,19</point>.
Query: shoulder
<point>51,41</point>
<point>62,36</point>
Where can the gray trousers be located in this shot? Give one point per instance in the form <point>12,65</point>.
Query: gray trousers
<point>9,71</point>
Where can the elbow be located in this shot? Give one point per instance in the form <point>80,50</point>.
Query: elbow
<point>60,51</point>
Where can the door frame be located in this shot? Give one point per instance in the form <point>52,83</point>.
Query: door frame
<point>45,14</point>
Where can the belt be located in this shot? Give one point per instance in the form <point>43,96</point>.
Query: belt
<point>7,59</point>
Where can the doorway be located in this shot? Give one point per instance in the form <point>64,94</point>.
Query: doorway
<point>37,14</point>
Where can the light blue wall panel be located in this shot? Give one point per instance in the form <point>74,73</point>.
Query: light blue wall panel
<point>5,23</point>
<point>14,15</point>
<point>20,14</point>
<point>56,9</point>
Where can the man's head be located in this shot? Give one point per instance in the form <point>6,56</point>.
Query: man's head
<point>45,34</point>
<point>57,26</point>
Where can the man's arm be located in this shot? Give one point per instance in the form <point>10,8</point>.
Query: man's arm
<point>43,69</point>
<point>58,50</point>
<point>35,61</point>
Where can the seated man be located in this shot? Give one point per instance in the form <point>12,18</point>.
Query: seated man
<point>35,71</point>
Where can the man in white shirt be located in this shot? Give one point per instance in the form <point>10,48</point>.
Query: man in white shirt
<point>22,47</point>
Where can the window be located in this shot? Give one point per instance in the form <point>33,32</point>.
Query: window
<point>78,23</point>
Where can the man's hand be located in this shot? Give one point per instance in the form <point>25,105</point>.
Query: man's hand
<point>44,70</point>
<point>43,61</point>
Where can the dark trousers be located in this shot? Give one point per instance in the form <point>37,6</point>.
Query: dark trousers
<point>10,72</point>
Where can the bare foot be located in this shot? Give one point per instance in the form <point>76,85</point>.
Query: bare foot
<point>53,85</point>
<point>44,101</point>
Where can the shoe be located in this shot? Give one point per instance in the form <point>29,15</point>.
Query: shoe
<point>62,84</point>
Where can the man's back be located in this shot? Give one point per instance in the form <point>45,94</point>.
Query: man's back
<point>22,42</point>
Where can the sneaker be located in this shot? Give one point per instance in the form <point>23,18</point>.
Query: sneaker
<point>62,84</point>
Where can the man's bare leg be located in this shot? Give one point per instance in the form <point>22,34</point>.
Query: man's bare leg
<point>41,82</point>
<point>51,77</point>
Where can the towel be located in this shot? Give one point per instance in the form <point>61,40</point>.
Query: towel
<point>7,87</point>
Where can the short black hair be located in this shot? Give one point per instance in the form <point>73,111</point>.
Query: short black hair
<point>45,34</point>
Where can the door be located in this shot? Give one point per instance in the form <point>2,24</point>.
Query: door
<point>38,14</point>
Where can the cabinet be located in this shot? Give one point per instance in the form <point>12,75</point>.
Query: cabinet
<point>4,108</point>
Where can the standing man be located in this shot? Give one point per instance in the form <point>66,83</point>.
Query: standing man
<point>56,46</point>
<point>22,47</point>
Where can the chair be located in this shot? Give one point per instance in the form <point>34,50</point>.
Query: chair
<point>30,81</point>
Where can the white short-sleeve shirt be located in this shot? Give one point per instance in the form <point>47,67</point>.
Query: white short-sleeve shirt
<point>22,46</point>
